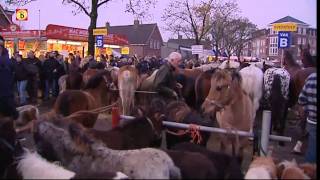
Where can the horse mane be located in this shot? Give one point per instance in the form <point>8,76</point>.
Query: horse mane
<point>96,79</point>
<point>74,80</point>
<point>289,59</point>
<point>133,124</point>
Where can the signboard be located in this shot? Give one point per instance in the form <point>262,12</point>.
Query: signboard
<point>197,49</point>
<point>76,34</point>
<point>99,41</point>
<point>285,27</point>
<point>284,39</point>
<point>99,32</point>
<point>22,34</point>
<point>125,50</point>
<point>21,14</point>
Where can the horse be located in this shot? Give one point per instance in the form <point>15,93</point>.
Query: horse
<point>231,106</point>
<point>96,94</point>
<point>262,168</point>
<point>179,111</point>
<point>74,81</point>
<point>27,114</point>
<point>128,82</point>
<point>252,84</point>
<point>88,74</point>
<point>276,94</point>
<point>68,142</point>
<point>228,167</point>
<point>62,83</point>
<point>290,170</point>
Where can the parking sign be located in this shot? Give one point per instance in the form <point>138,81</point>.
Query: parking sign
<point>99,41</point>
<point>284,39</point>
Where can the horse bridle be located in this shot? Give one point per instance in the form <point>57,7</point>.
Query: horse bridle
<point>216,103</point>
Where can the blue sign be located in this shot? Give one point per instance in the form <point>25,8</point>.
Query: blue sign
<point>99,41</point>
<point>284,39</point>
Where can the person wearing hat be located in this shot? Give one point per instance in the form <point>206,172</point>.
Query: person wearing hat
<point>165,81</point>
<point>7,103</point>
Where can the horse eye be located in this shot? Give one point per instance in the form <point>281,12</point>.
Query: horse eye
<point>218,88</point>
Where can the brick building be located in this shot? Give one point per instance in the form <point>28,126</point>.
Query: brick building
<point>265,41</point>
<point>144,39</point>
<point>5,18</point>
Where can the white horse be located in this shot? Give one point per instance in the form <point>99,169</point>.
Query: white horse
<point>33,166</point>
<point>79,152</point>
<point>252,84</point>
<point>229,64</point>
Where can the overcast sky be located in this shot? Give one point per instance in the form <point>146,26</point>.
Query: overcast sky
<point>260,12</point>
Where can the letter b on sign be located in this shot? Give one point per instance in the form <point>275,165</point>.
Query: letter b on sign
<point>283,42</point>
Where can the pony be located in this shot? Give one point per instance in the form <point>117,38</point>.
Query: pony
<point>228,167</point>
<point>27,114</point>
<point>68,142</point>
<point>88,74</point>
<point>229,64</point>
<point>252,84</point>
<point>290,170</point>
<point>276,94</point>
<point>231,106</point>
<point>96,94</point>
<point>128,82</point>
<point>262,168</point>
<point>179,111</point>
<point>74,80</point>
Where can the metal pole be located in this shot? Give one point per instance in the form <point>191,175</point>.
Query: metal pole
<point>212,129</point>
<point>39,26</point>
<point>281,62</point>
<point>265,130</point>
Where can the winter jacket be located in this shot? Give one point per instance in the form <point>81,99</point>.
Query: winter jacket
<point>165,80</point>
<point>50,68</point>
<point>20,70</point>
<point>6,75</point>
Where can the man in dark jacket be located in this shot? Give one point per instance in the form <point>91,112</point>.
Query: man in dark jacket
<point>7,104</point>
<point>34,66</point>
<point>165,80</point>
<point>50,67</point>
<point>21,77</point>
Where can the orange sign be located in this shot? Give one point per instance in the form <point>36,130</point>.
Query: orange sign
<point>21,14</point>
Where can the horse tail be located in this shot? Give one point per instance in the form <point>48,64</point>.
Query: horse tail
<point>127,87</point>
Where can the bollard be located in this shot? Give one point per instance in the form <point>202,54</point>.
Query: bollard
<point>265,130</point>
<point>115,117</point>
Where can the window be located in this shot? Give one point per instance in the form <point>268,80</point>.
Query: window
<point>158,45</point>
<point>303,41</point>
<point>299,41</point>
<point>151,43</point>
<point>304,31</point>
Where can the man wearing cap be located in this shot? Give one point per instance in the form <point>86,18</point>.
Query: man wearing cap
<point>7,103</point>
<point>165,80</point>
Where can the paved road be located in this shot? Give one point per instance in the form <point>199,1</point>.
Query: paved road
<point>279,152</point>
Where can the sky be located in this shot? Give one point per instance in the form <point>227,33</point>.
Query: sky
<point>260,12</point>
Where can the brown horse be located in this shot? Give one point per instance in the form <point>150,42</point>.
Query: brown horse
<point>94,95</point>
<point>88,74</point>
<point>230,103</point>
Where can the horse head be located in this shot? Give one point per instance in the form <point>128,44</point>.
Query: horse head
<point>225,85</point>
<point>177,111</point>
<point>306,57</point>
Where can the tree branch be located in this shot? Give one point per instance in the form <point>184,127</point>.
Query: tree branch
<point>103,2</point>
<point>80,6</point>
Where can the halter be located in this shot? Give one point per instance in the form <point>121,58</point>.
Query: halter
<point>216,103</point>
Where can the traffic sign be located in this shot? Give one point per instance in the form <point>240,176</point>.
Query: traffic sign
<point>21,14</point>
<point>197,49</point>
<point>100,31</point>
<point>284,39</point>
<point>125,50</point>
<point>285,27</point>
<point>99,41</point>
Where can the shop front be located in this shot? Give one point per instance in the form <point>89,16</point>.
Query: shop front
<point>59,38</point>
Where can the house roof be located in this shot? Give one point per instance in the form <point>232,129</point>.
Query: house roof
<point>136,34</point>
<point>189,42</point>
<point>5,13</point>
<point>288,19</point>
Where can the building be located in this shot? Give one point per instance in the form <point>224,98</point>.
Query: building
<point>144,39</point>
<point>264,43</point>
<point>183,46</point>
<point>5,18</point>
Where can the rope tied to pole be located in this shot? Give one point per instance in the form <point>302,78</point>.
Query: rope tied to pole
<point>195,133</point>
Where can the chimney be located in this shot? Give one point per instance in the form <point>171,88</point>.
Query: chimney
<point>136,23</point>
<point>179,36</point>
<point>107,25</point>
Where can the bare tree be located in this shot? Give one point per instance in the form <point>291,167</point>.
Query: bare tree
<point>243,34</point>
<point>191,19</point>
<point>139,8</point>
<point>223,15</point>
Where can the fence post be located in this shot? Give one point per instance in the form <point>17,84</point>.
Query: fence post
<point>265,131</point>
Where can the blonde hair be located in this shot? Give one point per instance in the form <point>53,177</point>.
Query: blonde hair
<point>174,55</point>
